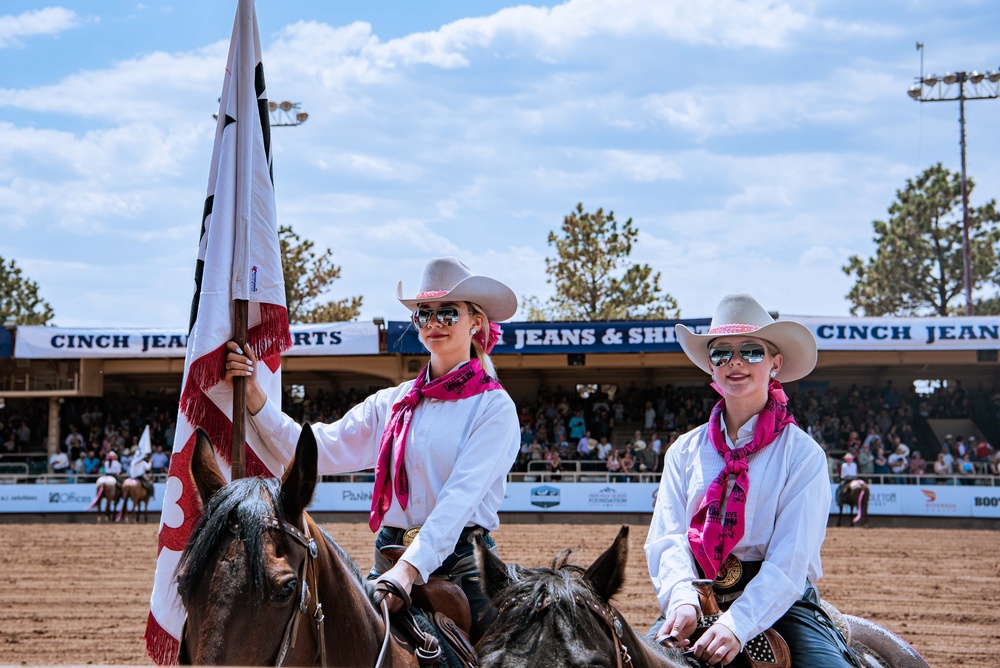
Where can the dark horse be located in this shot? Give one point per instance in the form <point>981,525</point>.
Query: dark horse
<point>854,493</point>
<point>257,575</point>
<point>562,617</point>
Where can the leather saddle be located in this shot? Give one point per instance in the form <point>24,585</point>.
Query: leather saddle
<point>440,601</point>
<point>766,650</point>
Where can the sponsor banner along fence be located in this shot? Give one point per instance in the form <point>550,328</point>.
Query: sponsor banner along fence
<point>342,338</point>
<point>581,497</point>
<point>832,333</point>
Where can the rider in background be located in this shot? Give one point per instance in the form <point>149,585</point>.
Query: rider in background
<point>138,469</point>
<point>745,499</point>
<point>441,444</point>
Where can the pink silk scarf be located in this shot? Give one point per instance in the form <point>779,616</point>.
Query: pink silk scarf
<point>719,523</point>
<point>466,381</point>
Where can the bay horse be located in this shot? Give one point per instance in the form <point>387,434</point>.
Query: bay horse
<point>562,617</point>
<point>133,491</point>
<point>264,585</point>
<point>106,498</point>
<point>854,493</point>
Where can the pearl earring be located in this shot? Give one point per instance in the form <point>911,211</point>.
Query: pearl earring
<point>473,331</point>
<point>773,373</point>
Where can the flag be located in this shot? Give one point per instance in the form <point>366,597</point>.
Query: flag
<point>238,258</point>
<point>145,447</point>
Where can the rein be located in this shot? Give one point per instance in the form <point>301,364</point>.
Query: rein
<point>609,616</point>
<point>308,569</point>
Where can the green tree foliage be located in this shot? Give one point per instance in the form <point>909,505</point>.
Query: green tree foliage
<point>918,266</point>
<point>19,300</point>
<point>307,277</point>
<point>593,276</point>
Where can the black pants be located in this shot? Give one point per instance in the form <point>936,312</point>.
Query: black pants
<point>460,567</point>
<point>812,638</point>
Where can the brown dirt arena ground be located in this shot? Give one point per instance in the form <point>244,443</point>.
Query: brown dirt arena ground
<point>79,593</point>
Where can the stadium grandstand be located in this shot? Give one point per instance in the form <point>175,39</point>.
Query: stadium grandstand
<point>930,384</point>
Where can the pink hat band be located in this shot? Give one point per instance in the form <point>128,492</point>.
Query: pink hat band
<point>431,294</point>
<point>734,328</point>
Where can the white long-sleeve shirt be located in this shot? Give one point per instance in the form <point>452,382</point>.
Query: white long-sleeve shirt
<point>457,457</point>
<point>787,509</point>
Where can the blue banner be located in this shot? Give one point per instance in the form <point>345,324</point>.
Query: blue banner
<point>6,343</point>
<point>533,338</point>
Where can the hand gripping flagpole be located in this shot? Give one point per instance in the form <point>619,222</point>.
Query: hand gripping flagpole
<point>246,118</point>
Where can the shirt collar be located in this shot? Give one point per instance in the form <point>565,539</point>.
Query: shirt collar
<point>745,432</point>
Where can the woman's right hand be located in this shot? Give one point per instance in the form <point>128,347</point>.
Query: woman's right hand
<point>678,627</point>
<point>240,364</point>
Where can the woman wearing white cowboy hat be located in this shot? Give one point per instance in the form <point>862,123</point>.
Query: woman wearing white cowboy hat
<point>441,444</point>
<point>744,500</point>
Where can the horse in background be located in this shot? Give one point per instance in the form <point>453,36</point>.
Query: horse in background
<point>562,617</point>
<point>106,498</point>
<point>133,491</point>
<point>258,573</point>
<point>854,493</point>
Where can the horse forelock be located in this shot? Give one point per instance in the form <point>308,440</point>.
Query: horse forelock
<point>237,510</point>
<point>545,610</point>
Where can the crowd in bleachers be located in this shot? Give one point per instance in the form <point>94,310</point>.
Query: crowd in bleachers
<point>621,431</point>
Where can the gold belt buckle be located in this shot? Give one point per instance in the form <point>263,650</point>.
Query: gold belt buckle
<point>410,535</point>
<point>729,573</point>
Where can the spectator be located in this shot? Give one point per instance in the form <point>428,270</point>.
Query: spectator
<point>59,462</point>
<point>614,465</point>
<point>899,463</point>
<point>982,450</point>
<point>918,466</point>
<point>628,466</point>
<point>942,469</point>
<point>555,467</point>
<point>159,460</point>
<point>966,468</point>
<point>91,463</point>
<point>649,416</point>
<point>865,461</point>
<point>848,469</point>
<point>638,443</point>
<point>577,426</point>
<point>995,465</point>
<point>583,448</point>
<point>881,463</point>
<point>656,444</point>
<point>645,459</point>
<point>949,459</point>
<point>603,449</point>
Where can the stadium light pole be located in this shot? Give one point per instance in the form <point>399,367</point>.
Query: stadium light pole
<point>959,86</point>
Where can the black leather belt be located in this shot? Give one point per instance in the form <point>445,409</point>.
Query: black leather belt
<point>733,577</point>
<point>404,537</point>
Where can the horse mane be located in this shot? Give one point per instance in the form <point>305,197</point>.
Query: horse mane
<point>244,504</point>
<point>545,588</point>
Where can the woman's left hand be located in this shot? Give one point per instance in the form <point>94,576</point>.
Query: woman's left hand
<point>404,575</point>
<point>718,645</point>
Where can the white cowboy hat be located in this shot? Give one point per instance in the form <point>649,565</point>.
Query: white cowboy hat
<point>741,315</point>
<point>446,279</point>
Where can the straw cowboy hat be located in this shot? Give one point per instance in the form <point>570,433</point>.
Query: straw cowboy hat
<point>848,457</point>
<point>741,315</point>
<point>446,279</point>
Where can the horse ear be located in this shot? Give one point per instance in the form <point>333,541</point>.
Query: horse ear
<point>607,573</point>
<point>494,575</point>
<point>204,469</point>
<point>299,481</point>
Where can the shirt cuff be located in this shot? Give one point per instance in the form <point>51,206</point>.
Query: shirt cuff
<point>729,620</point>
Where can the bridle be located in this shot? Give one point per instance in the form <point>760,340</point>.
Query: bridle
<point>308,586</point>
<point>607,614</point>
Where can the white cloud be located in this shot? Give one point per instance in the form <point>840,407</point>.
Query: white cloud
<point>49,21</point>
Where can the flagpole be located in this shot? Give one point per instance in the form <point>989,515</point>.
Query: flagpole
<point>240,322</point>
<point>247,118</point>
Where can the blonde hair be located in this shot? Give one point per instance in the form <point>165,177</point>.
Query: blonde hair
<point>477,349</point>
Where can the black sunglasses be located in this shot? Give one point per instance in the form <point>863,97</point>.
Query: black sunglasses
<point>751,352</point>
<point>446,315</point>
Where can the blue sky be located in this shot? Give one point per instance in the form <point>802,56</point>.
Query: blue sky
<point>751,142</point>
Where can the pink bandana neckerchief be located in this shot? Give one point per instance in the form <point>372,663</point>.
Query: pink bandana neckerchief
<point>466,381</point>
<point>718,525</point>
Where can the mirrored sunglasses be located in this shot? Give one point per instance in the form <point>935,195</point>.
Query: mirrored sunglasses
<point>751,352</point>
<point>446,315</point>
